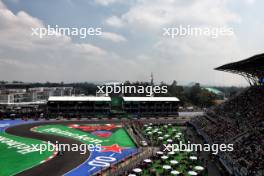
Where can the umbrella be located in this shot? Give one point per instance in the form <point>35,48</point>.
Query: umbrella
<point>193,158</point>
<point>171,153</point>
<point>174,172</point>
<point>137,170</point>
<point>160,153</point>
<point>167,167</point>
<point>199,168</point>
<point>144,143</point>
<point>147,161</point>
<point>192,173</point>
<point>169,140</point>
<point>174,162</point>
<point>164,157</point>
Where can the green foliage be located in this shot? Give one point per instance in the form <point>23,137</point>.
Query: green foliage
<point>199,96</point>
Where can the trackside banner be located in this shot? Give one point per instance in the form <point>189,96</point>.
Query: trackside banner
<point>115,143</point>
<point>20,146</point>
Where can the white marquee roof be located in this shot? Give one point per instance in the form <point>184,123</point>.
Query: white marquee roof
<point>151,99</point>
<point>80,98</point>
<point>26,103</point>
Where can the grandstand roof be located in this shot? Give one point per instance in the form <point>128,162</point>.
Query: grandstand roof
<point>252,68</point>
<point>80,98</point>
<point>26,103</point>
<point>253,65</point>
<point>150,99</point>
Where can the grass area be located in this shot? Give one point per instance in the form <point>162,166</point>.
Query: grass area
<point>119,135</point>
<point>18,155</point>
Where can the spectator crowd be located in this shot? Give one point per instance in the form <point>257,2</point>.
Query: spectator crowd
<point>239,121</point>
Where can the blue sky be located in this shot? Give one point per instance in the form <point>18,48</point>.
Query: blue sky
<point>132,45</point>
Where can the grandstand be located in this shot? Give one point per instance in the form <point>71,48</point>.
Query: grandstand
<point>84,105</point>
<point>87,105</point>
<point>251,68</point>
<point>152,106</point>
<point>239,121</point>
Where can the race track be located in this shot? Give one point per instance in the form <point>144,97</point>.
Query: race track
<point>59,165</point>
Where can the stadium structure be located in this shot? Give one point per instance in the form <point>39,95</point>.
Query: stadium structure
<point>138,106</point>
<point>239,121</point>
<point>135,146</point>
<point>251,69</point>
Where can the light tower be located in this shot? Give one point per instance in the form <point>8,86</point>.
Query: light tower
<point>151,79</point>
<point>152,83</point>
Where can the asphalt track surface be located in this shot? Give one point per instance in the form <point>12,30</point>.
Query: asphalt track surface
<point>59,165</point>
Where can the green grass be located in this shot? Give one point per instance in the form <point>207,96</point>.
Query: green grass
<point>13,162</point>
<point>119,137</point>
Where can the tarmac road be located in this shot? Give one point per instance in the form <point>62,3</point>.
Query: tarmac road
<point>57,166</point>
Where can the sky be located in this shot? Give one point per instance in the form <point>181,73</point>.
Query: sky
<point>132,44</point>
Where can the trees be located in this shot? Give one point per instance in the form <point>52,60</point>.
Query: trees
<point>200,97</point>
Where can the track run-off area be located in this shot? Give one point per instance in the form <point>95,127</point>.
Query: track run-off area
<point>116,145</point>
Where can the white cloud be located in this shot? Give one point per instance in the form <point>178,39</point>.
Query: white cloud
<point>2,6</point>
<point>187,58</point>
<point>29,58</point>
<point>16,33</point>
<point>113,37</point>
<point>107,2</point>
<point>250,1</point>
<point>115,22</point>
<point>44,58</point>
<point>156,13</point>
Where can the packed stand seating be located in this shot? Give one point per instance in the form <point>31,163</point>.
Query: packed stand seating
<point>240,121</point>
<point>249,152</point>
